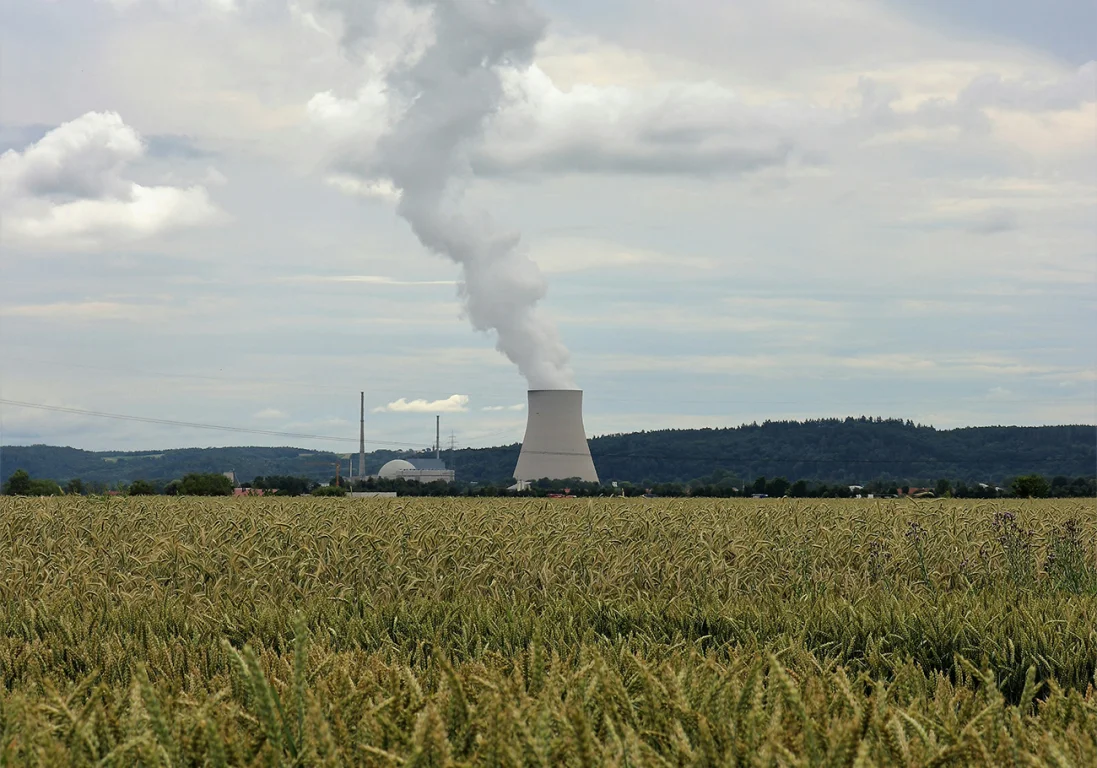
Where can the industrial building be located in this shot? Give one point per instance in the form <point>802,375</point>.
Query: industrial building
<point>416,470</point>
<point>555,444</point>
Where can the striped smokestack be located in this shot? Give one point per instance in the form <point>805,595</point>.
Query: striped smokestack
<point>362,439</point>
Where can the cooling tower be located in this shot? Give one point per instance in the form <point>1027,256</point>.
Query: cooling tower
<point>555,445</point>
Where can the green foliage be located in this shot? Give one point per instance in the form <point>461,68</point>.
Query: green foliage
<point>268,631</point>
<point>22,484</point>
<point>43,487</point>
<point>285,485</point>
<point>835,451</point>
<point>1066,563</point>
<point>142,488</point>
<point>76,487</point>
<point>1030,487</point>
<point>329,490</point>
<point>19,484</point>
<point>205,485</point>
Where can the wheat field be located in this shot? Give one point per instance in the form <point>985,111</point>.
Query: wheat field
<point>299,632</point>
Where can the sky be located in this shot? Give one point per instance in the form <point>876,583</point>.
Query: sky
<point>739,211</point>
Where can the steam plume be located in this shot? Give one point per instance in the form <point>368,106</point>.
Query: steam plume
<point>450,89</point>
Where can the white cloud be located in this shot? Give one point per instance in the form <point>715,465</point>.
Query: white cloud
<point>69,189</point>
<point>215,178</point>
<point>673,127</point>
<point>666,128</point>
<point>515,407</point>
<point>378,189</point>
<point>220,6</point>
<point>270,413</point>
<point>1033,93</point>
<point>366,279</point>
<point>87,311</point>
<point>452,404</point>
<point>576,254</point>
<point>988,101</point>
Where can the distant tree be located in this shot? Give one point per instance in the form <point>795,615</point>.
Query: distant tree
<point>759,485</point>
<point>142,488</point>
<point>1060,486</point>
<point>212,484</point>
<point>19,484</point>
<point>778,486</point>
<point>330,490</point>
<point>76,487</point>
<point>943,487</point>
<point>1030,487</point>
<point>799,489</point>
<point>44,488</point>
<point>285,485</point>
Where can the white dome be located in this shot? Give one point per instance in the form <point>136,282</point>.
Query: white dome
<point>394,468</point>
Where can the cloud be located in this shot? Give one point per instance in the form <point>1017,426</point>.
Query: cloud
<point>677,127</point>
<point>452,404</point>
<point>991,221</point>
<point>367,279</point>
<point>168,145</point>
<point>665,128</point>
<point>219,6</point>
<point>86,311</point>
<point>270,413</point>
<point>377,189</point>
<point>986,100</point>
<point>1032,94</point>
<point>577,254</point>
<point>515,407</point>
<point>69,189</point>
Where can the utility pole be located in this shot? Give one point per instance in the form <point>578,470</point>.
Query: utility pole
<point>362,439</point>
<point>438,437</point>
<point>453,453</point>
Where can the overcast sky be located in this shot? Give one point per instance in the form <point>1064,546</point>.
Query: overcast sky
<point>765,209</point>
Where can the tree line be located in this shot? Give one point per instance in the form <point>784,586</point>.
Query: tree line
<point>833,451</point>
<point>719,484</point>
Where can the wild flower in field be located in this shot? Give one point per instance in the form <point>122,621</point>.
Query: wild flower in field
<point>916,536</point>
<point>1016,545</point>
<point>1066,561</point>
<point>879,557</point>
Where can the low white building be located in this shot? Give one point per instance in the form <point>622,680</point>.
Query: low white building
<point>416,471</point>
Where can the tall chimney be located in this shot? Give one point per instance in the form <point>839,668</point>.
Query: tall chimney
<point>438,437</point>
<point>362,440</point>
<point>555,445</point>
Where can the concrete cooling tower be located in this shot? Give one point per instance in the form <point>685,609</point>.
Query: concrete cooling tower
<point>555,445</point>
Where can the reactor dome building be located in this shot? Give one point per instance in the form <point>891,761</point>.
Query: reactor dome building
<point>416,470</point>
<point>555,444</point>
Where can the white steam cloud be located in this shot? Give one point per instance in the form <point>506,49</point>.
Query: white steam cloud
<point>443,88</point>
<point>452,404</point>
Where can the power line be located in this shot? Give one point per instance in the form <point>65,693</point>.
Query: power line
<point>196,425</point>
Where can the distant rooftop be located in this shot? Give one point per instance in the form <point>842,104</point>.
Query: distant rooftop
<point>427,463</point>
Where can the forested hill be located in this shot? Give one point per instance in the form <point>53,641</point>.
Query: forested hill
<point>831,450</point>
